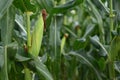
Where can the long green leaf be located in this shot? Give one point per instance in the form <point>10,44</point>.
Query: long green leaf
<point>4,5</point>
<point>114,48</point>
<point>89,29</point>
<point>96,43</point>
<point>99,19</point>
<point>6,23</point>
<point>66,6</point>
<point>117,66</point>
<point>1,57</point>
<point>88,62</point>
<point>54,42</point>
<point>21,58</point>
<point>42,69</point>
<point>99,4</point>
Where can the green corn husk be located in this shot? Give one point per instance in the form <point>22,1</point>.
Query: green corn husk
<point>37,35</point>
<point>63,44</point>
<point>63,41</point>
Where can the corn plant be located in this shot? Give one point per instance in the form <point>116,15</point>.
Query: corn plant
<point>59,40</point>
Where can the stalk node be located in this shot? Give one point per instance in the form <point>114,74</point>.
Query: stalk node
<point>112,15</point>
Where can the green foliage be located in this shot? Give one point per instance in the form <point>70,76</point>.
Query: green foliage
<point>90,52</point>
<point>24,5</point>
<point>4,5</point>
<point>114,48</point>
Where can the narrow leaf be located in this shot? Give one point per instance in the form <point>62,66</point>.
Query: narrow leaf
<point>46,4</point>
<point>4,5</point>
<point>88,62</point>
<point>114,48</point>
<point>24,5</point>
<point>66,6</point>
<point>6,23</point>
<point>1,57</point>
<point>96,43</point>
<point>42,69</point>
<point>99,19</point>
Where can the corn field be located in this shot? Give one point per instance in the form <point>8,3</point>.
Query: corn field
<point>59,39</point>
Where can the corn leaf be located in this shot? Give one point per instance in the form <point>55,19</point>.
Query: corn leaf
<point>114,48</point>
<point>4,5</point>
<point>42,69</point>
<point>1,57</point>
<point>24,5</point>
<point>99,19</point>
<point>96,43</point>
<point>88,62</point>
<point>6,24</point>
<point>46,4</point>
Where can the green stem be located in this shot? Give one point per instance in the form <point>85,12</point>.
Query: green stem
<point>28,75</point>
<point>27,72</point>
<point>28,29</point>
<point>111,18</point>
<point>5,63</point>
<point>111,61</point>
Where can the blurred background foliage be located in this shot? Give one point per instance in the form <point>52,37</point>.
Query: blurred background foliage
<point>80,41</point>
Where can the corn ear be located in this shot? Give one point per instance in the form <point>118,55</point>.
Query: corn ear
<point>37,35</point>
<point>62,44</point>
<point>63,41</point>
<point>79,32</point>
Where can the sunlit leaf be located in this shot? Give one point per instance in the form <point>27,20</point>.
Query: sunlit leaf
<point>54,42</point>
<point>96,43</point>
<point>42,69</point>
<point>101,5</point>
<point>21,58</point>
